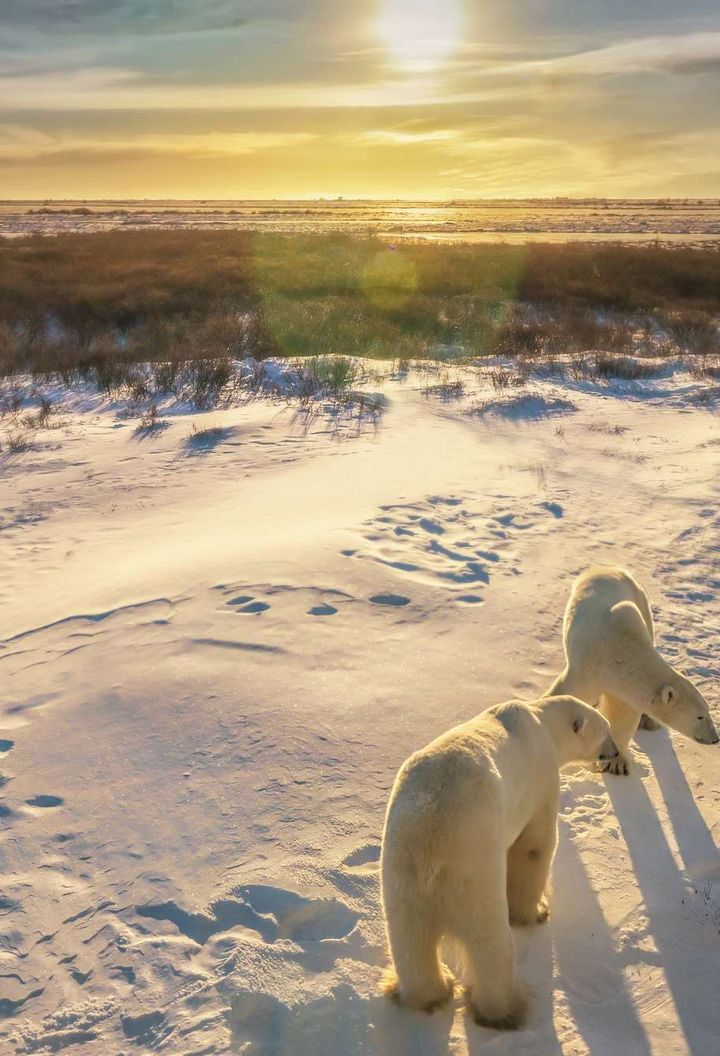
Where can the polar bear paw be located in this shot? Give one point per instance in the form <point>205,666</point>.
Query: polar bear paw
<point>427,1000</point>
<point>512,1017</point>
<point>536,914</point>
<point>620,766</point>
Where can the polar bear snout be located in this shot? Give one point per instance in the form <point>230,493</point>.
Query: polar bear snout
<point>608,749</point>
<point>705,732</point>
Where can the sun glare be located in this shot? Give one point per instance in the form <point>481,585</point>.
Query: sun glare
<point>420,34</point>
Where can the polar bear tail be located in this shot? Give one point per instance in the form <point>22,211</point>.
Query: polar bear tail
<point>389,985</point>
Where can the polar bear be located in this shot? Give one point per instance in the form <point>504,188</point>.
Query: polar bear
<point>469,837</point>
<point>612,662</point>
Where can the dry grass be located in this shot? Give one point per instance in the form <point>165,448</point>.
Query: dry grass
<point>606,429</point>
<point>328,375</point>
<point>624,368</point>
<point>445,389</point>
<point>90,306</point>
<point>150,423</point>
<point>201,441</point>
<point>506,377</point>
<point>705,368</point>
<point>17,440</point>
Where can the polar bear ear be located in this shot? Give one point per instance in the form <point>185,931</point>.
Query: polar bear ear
<point>667,695</point>
<point>579,724</point>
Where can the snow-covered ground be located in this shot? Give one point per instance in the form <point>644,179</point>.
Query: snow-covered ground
<point>670,221</point>
<point>214,655</point>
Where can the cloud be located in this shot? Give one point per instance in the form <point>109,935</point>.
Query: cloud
<point>113,88</point>
<point>693,52</point>
<point>399,137</point>
<point>20,143</point>
<point>461,82</point>
<point>127,16</point>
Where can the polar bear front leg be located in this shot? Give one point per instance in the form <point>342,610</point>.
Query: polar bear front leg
<point>623,719</point>
<point>528,867</point>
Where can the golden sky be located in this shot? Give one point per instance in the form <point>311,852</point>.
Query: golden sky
<point>362,98</point>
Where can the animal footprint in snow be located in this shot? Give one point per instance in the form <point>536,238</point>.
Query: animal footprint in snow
<point>147,1030</point>
<point>45,801</point>
<point>272,912</point>
<point>254,608</point>
<point>289,600</point>
<point>365,859</point>
<point>444,542</point>
<point>397,600</point>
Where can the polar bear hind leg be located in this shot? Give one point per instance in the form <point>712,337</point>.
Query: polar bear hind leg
<point>476,904</point>
<point>624,721</point>
<point>528,868</point>
<point>418,979</point>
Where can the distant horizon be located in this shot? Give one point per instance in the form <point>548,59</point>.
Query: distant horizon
<point>348,199</point>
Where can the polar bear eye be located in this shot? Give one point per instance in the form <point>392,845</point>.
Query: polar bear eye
<point>579,725</point>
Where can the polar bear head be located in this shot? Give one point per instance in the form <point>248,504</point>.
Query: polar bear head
<point>679,704</point>
<point>580,733</point>
<point>648,682</point>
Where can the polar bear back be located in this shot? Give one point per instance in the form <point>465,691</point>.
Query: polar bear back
<point>486,775</point>
<point>594,595</point>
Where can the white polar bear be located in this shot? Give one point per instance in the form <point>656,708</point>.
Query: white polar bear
<point>612,662</point>
<point>469,837</point>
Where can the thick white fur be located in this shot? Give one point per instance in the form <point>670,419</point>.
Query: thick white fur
<point>469,837</point>
<point>612,662</point>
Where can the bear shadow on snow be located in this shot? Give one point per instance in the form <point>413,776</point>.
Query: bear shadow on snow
<point>574,953</point>
<point>697,847</point>
<point>587,962</point>
<point>682,904</point>
<point>537,1037</point>
<point>588,966</point>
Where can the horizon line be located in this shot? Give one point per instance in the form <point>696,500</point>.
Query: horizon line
<point>370,198</point>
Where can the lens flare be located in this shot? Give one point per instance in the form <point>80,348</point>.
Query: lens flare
<point>389,280</point>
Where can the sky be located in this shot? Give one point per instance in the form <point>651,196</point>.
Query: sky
<point>415,99</point>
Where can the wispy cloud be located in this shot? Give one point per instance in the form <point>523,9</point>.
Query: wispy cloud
<point>462,82</point>
<point>119,89</point>
<point>24,143</point>
<point>689,53</point>
<point>404,137</point>
<point>127,16</point>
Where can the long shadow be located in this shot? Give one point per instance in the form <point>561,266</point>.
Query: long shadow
<point>358,414</point>
<point>525,408</point>
<point>699,852</point>
<point>152,429</point>
<point>204,441</point>
<point>339,1024</point>
<point>534,949</point>
<point>681,919</point>
<point>587,962</point>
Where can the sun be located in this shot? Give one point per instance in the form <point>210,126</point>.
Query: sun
<point>420,34</point>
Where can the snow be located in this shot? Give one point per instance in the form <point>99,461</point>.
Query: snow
<point>641,221</point>
<point>213,660</point>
